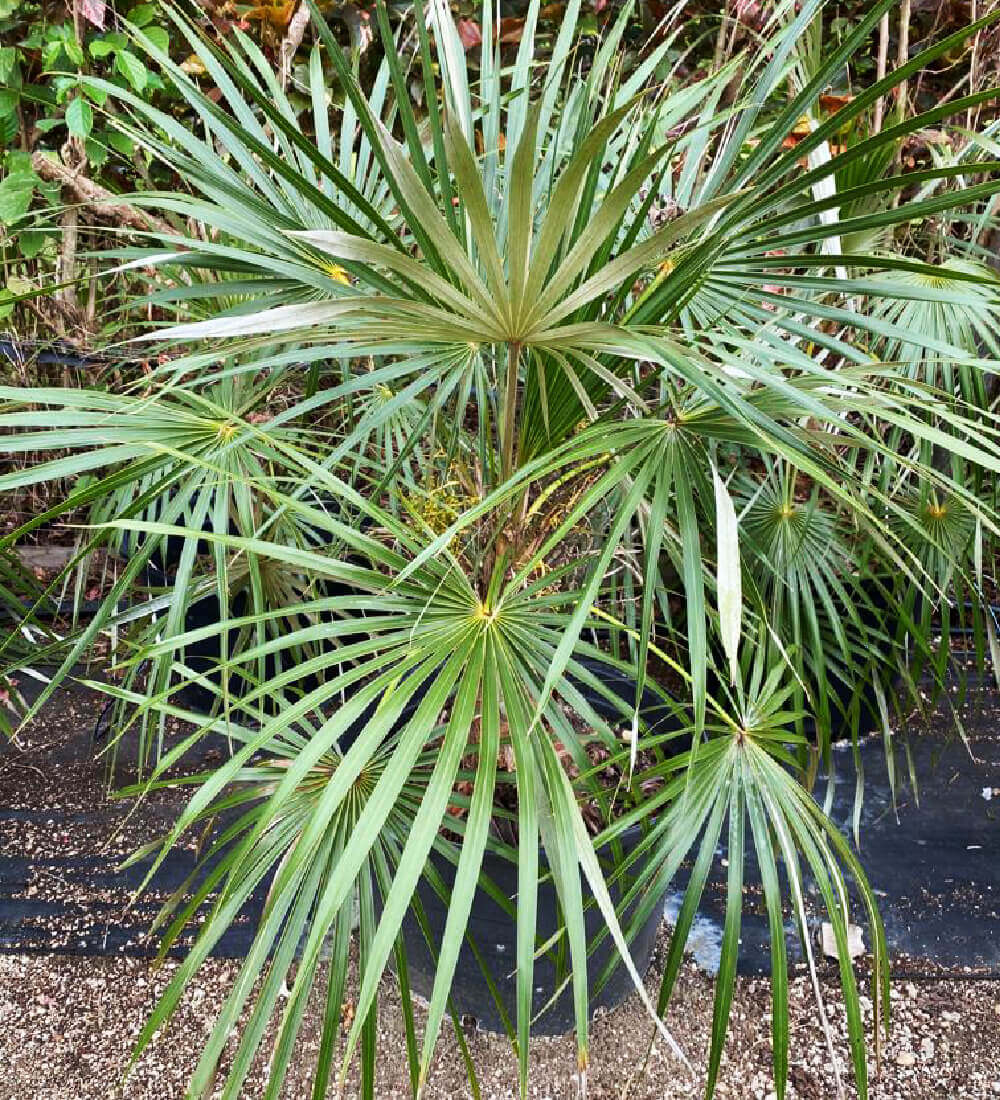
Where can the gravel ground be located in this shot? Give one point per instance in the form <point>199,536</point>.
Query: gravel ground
<point>67,1024</point>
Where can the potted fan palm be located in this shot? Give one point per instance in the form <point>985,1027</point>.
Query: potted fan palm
<point>549,349</point>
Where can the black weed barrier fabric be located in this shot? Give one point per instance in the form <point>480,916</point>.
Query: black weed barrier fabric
<point>88,908</point>
<point>63,842</point>
<point>934,863</point>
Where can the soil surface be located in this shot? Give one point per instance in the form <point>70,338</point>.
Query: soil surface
<point>67,1026</point>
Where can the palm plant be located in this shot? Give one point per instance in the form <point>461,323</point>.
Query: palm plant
<point>573,372</point>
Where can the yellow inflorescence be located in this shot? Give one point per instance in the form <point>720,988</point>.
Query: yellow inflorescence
<point>337,273</point>
<point>439,506</point>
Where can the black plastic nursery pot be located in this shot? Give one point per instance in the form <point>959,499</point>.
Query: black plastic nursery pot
<point>204,656</point>
<point>492,927</point>
<point>492,930</point>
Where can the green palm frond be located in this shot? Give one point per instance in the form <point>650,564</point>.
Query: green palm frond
<point>969,326</point>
